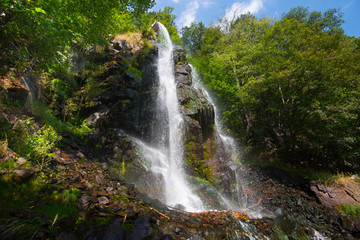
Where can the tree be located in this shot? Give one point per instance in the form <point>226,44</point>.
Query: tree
<point>40,31</point>
<point>290,87</point>
<point>329,21</point>
<point>192,37</point>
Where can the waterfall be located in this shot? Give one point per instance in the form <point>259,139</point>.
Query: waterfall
<point>228,143</point>
<point>177,192</point>
<point>164,156</point>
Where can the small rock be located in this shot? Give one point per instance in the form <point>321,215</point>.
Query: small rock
<point>20,175</point>
<point>103,200</point>
<point>80,155</point>
<point>100,179</point>
<point>86,202</point>
<point>109,189</point>
<point>105,166</point>
<point>21,161</point>
<point>89,185</point>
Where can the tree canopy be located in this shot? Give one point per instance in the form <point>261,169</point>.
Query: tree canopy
<point>42,31</point>
<point>289,87</point>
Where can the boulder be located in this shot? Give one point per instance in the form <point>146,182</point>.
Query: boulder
<point>15,90</point>
<point>112,232</point>
<point>194,104</point>
<point>22,174</point>
<point>183,74</point>
<point>336,194</point>
<point>142,228</point>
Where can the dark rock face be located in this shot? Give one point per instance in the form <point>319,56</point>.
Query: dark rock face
<point>183,74</point>
<point>117,105</point>
<point>142,228</point>
<point>179,55</point>
<point>149,91</point>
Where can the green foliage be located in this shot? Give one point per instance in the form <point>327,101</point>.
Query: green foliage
<point>195,163</point>
<point>166,18</point>
<point>40,32</point>
<point>47,116</point>
<point>31,142</point>
<point>351,210</point>
<point>329,21</point>
<point>192,36</point>
<point>290,87</point>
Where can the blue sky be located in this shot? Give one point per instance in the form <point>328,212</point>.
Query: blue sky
<point>207,11</point>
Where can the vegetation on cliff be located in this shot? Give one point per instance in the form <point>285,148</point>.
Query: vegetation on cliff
<point>288,87</point>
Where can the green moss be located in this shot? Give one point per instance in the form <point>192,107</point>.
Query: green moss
<point>102,221</point>
<point>187,103</point>
<point>195,163</point>
<point>121,198</point>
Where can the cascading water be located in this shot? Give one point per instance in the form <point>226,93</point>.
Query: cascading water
<point>228,143</point>
<point>165,155</point>
<point>176,188</point>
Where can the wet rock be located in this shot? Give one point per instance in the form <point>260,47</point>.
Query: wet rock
<point>194,104</point>
<point>183,74</point>
<point>142,228</point>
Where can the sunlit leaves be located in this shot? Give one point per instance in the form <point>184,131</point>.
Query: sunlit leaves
<point>289,86</point>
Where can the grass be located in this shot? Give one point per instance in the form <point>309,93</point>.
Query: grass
<point>47,116</point>
<point>350,210</point>
<point>326,177</point>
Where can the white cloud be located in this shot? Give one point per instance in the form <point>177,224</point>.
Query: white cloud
<point>348,5</point>
<point>206,3</point>
<point>176,1</point>
<point>188,15</point>
<point>238,8</point>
